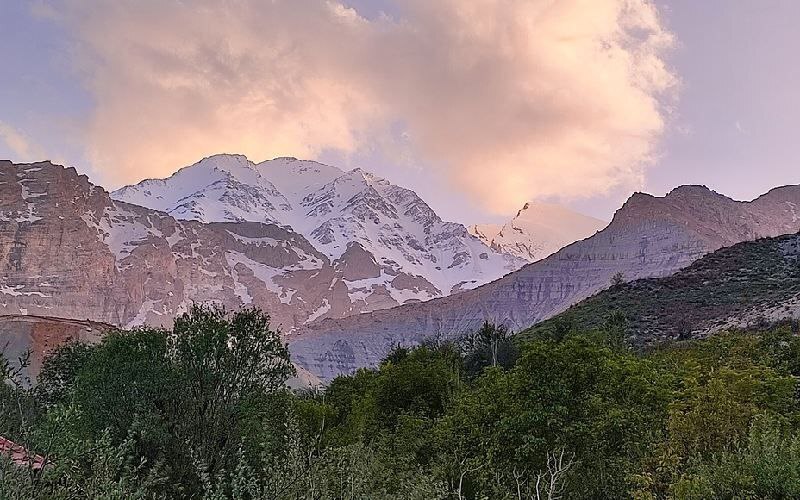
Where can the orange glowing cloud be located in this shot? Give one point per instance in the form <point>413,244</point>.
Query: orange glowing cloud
<point>514,100</point>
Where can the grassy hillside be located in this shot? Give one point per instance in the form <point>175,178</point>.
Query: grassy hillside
<point>751,282</point>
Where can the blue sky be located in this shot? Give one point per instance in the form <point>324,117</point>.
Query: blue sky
<point>739,111</point>
<point>732,125</point>
<point>737,119</point>
<point>41,96</point>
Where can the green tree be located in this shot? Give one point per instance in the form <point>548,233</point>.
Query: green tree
<point>767,466</point>
<point>183,398</point>
<point>220,361</point>
<point>605,405</point>
<point>491,345</point>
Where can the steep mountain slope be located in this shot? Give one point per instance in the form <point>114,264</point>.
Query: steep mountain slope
<point>648,237</point>
<point>739,286</point>
<point>71,251</point>
<point>387,241</point>
<point>538,230</point>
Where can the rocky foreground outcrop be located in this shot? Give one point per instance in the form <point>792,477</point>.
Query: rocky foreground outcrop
<point>648,237</point>
<point>33,338</point>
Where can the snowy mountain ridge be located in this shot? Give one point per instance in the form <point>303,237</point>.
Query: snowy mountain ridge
<point>391,246</point>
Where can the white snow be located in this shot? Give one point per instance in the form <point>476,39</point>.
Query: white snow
<point>141,315</point>
<point>217,188</point>
<point>793,208</point>
<point>332,209</point>
<point>262,272</point>
<point>119,230</point>
<point>27,217</point>
<point>297,177</point>
<point>363,288</point>
<point>272,242</point>
<point>17,290</point>
<point>324,308</point>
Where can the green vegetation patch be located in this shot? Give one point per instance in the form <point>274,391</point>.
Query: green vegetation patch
<point>202,411</point>
<point>732,282</point>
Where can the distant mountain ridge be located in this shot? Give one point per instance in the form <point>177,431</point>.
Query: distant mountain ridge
<point>648,237</point>
<point>71,250</point>
<point>537,231</point>
<point>393,245</point>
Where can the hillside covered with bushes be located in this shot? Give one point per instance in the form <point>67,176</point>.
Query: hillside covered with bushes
<point>747,285</point>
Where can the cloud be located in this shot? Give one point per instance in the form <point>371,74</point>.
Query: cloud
<point>19,144</point>
<point>512,100</point>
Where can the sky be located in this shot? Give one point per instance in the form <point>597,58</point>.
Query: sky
<point>478,106</point>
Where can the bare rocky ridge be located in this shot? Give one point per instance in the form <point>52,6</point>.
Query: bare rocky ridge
<point>648,237</point>
<point>69,250</point>
<point>748,285</point>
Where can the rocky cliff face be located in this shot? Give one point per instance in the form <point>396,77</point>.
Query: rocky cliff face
<point>69,250</point>
<point>537,231</point>
<point>35,337</point>
<point>648,237</point>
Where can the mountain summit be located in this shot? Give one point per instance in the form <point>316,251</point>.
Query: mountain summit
<point>395,247</point>
<point>538,230</point>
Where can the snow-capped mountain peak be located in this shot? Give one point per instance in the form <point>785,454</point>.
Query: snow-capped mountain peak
<point>538,230</point>
<point>292,176</point>
<point>388,244</point>
<point>218,188</point>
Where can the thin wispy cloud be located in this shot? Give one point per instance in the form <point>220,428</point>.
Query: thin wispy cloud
<point>512,100</point>
<point>19,144</point>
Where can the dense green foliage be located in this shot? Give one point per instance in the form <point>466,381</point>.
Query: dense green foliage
<point>202,412</point>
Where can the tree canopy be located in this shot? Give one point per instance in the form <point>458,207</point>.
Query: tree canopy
<point>202,411</point>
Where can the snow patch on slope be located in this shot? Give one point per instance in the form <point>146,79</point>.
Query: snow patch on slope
<point>262,272</point>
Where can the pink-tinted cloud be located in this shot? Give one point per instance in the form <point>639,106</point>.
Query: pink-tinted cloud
<point>512,99</point>
<point>22,148</point>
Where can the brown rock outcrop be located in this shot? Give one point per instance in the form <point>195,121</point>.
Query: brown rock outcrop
<point>38,336</point>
